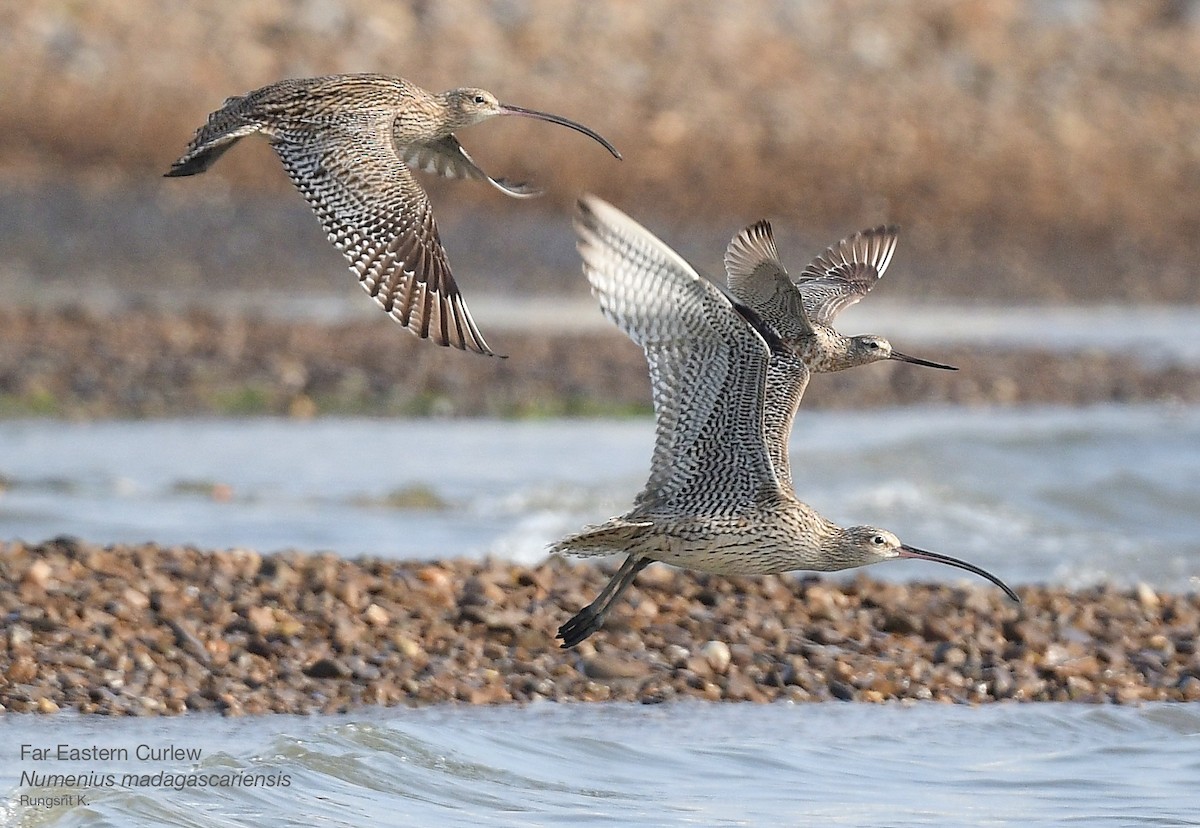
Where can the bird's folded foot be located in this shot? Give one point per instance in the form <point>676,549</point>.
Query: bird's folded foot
<point>580,626</point>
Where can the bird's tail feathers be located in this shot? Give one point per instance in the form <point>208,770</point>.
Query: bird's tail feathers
<point>607,538</point>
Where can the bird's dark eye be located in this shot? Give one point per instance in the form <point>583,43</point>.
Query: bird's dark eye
<point>479,99</point>
<point>878,540</point>
<point>873,345</point>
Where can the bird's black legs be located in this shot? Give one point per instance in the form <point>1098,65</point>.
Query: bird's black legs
<point>591,618</point>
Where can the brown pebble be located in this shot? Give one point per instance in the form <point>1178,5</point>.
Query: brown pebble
<point>495,619</point>
<point>408,647</point>
<point>1079,688</point>
<point>949,655</point>
<point>939,629</point>
<point>38,574</point>
<point>376,616</point>
<point>22,670</point>
<point>480,591</point>
<point>262,619</point>
<point>604,666</point>
<point>740,688</point>
<point>700,665</point>
<point>1084,666</point>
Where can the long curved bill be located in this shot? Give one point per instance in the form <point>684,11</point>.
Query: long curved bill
<point>509,109</point>
<point>921,555</point>
<point>919,361</point>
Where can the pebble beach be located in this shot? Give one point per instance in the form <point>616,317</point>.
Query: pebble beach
<point>158,630</point>
<point>1015,183</point>
<point>152,630</point>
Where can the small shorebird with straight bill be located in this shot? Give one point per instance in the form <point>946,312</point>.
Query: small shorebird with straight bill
<point>349,144</point>
<point>802,310</point>
<point>714,500</point>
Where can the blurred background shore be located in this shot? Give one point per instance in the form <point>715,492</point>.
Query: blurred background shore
<point>1031,151</point>
<point>1035,154</point>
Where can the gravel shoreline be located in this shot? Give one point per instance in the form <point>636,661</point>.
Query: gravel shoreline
<point>151,630</point>
<point>143,363</point>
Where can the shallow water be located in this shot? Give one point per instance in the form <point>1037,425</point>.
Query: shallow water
<point>1071,496</point>
<point>1068,496</point>
<point>617,764</point>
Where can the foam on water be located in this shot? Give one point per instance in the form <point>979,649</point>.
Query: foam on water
<point>1071,496</point>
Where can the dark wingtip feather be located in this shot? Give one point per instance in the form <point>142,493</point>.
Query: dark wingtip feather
<point>190,165</point>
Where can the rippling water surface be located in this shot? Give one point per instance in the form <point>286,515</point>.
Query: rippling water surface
<point>1070,496</point>
<point>616,764</point>
<point>1046,495</point>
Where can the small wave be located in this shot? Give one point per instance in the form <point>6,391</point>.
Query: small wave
<point>685,763</point>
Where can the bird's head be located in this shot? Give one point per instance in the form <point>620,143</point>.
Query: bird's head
<point>869,544</point>
<point>869,348</point>
<point>864,545</point>
<point>469,106</point>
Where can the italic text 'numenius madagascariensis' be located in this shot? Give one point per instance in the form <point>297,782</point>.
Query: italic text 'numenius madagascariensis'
<point>349,144</point>
<point>714,501</point>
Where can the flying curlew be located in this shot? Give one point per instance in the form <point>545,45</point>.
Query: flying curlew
<point>349,144</point>
<point>714,500</point>
<point>802,310</point>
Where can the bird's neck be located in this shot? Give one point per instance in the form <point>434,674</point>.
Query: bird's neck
<point>825,350</point>
<point>839,550</point>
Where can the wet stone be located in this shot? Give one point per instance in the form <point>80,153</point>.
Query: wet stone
<point>841,690</point>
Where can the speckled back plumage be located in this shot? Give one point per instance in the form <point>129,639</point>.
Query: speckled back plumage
<point>381,220</point>
<point>714,500</point>
<point>787,379</point>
